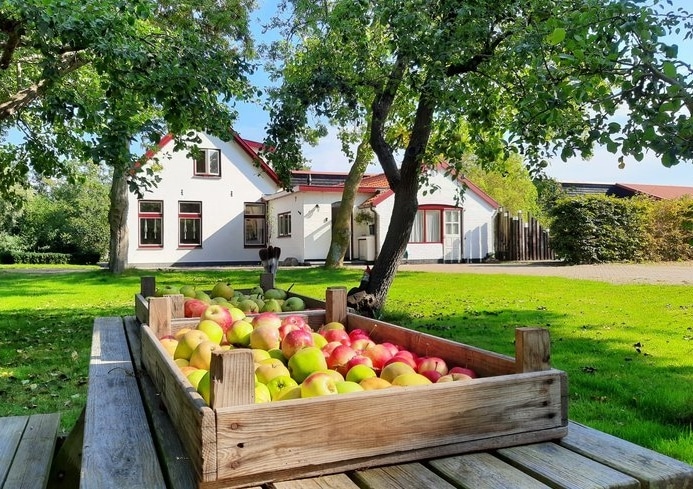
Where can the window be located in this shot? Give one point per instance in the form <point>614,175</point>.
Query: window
<point>426,228</point>
<point>207,163</point>
<point>284,224</point>
<point>255,222</point>
<point>189,224</point>
<point>151,216</point>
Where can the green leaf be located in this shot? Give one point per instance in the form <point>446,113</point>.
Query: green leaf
<point>557,36</point>
<point>669,69</point>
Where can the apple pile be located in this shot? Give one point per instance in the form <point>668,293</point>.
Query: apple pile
<point>223,294</point>
<point>292,361</point>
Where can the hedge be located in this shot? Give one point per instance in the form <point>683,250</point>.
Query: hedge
<point>34,258</point>
<point>597,228</point>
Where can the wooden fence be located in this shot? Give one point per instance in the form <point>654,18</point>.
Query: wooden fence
<point>521,238</point>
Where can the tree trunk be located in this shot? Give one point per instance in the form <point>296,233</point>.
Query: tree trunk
<point>117,220</point>
<point>341,225</point>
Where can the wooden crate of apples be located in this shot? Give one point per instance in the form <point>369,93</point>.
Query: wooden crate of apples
<point>283,395</point>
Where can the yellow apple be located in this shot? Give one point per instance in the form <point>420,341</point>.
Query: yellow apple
<point>202,354</point>
<point>169,345</point>
<point>394,370</point>
<point>188,343</point>
<point>411,379</point>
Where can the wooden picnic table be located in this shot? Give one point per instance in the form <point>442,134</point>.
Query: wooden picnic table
<point>129,442</point>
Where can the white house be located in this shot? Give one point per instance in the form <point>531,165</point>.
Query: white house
<point>222,207</point>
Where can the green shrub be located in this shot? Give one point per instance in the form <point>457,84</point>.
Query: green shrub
<point>597,228</point>
<point>85,258</point>
<point>670,230</point>
<point>34,258</point>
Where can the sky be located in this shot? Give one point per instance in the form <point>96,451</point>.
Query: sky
<point>601,168</point>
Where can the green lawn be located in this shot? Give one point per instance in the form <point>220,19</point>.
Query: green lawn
<point>627,349</point>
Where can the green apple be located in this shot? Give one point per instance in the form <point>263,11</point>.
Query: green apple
<point>346,386</point>
<point>277,353</point>
<point>188,343</point>
<point>293,304</point>
<point>275,294</point>
<point>411,379</point>
<point>248,306</point>
<point>236,314</point>
<point>293,392</point>
<point>188,291</point>
<point>201,356</point>
<point>395,369</point>
<point>166,290</point>
<point>257,290</point>
<point>318,384</point>
<point>271,305</point>
<point>359,372</point>
<point>203,296</point>
<point>280,383</point>
<point>195,376</point>
<point>239,333</point>
<point>319,340</point>
<point>212,329</point>
<point>222,289</point>
<point>204,388</point>
<point>306,361</point>
<point>262,393</point>
<point>182,362</point>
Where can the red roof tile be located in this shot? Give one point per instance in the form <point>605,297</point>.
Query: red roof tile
<point>666,192</point>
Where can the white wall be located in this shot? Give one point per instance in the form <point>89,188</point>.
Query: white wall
<point>222,200</point>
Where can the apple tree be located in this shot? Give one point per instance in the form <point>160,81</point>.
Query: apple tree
<point>440,80</point>
<point>103,80</point>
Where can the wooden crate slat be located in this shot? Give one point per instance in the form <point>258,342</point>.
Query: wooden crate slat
<point>565,469</point>
<point>397,476</point>
<point>113,398</point>
<point>655,470</point>
<point>484,471</point>
<point>462,412</point>
<point>484,362</point>
<point>194,420</point>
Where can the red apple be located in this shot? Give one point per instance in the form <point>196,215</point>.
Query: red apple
<point>337,335</point>
<point>432,363</point>
<point>359,359</point>
<point>297,320</point>
<point>358,333</point>
<point>340,356</point>
<point>432,375</point>
<point>219,314</point>
<point>404,359</point>
<point>394,349</point>
<point>378,354</point>
<point>329,347</point>
<point>294,341</point>
<point>193,308</point>
<point>463,370</point>
<point>361,344</point>
<point>271,318</point>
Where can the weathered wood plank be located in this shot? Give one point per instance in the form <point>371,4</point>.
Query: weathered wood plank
<point>484,471</point>
<point>118,449</point>
<point>337,481</point>
<point>11,429</point>
<point>411,476</point>
<point>194,420</point>
<point>32,462</point>
<point>484,362</point>
<point>564,469</point>
<point>173,457</point>
<point>654,470</point>
<point>484,409</point>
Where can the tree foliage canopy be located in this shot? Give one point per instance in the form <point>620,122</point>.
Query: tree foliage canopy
<point>89,80</point>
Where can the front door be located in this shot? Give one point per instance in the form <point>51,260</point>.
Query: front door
<point>452,239</point>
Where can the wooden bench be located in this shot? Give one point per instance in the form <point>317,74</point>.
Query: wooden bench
<point>27,446</point>
<point>125,455</point>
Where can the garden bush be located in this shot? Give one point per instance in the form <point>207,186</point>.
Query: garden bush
<point>37,258</point>
<point>670,230</point>
<point>597,228</point>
